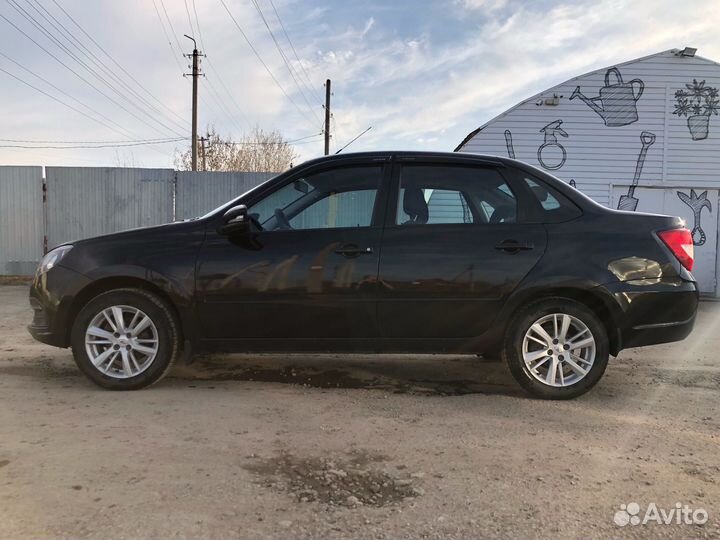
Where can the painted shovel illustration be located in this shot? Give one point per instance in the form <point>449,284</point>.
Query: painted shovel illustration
<point>696,203</point>
<point>629,202</point>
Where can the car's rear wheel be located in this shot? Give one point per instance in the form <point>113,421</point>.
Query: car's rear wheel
<point>556,348</point>
<point>125,339</point>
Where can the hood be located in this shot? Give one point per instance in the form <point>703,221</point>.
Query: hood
<point>150,231</point>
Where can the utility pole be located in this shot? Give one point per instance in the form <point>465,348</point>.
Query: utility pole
<point>195,74</point>
<point>327,117</point>
<point>203,140</point>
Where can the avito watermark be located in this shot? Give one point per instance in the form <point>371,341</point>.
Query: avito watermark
<point>680,514</point>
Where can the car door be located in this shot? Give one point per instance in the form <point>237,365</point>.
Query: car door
<point>454,247</point>
<point>308,278</point>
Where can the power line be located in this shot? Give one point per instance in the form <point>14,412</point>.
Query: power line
<point>92,142</point>
<point>172,28</point>
<point>48,34</point>
<point>121,130</point>
<point>77,74</point>
<point>214,94</point>
<point>87,147</point>
<point>303,138</point>
<point>150,94</point>
<point>294,141</point>
<point>284,59</point>
<point>187,10</point>
<point>297,57</point>
<point>169,41</point>
<point>52,97</point>
<point>257,54</point>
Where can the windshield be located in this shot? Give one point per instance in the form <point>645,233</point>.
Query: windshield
<point>234,201</point>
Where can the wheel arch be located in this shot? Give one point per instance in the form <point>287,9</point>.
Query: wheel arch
<point>599,302</point>
<point>109,283</point>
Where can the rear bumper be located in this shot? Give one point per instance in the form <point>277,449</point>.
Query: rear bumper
<point>653,334</point>
<point>654,312</point>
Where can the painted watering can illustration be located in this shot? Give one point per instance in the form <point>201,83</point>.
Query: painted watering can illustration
<point>696,203</point>
<point>616,104</point>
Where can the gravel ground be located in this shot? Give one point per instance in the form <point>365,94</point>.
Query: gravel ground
<point>322,446</point>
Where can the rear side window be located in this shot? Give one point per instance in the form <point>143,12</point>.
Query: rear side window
<point>439,194</point>
<point>556,207</point>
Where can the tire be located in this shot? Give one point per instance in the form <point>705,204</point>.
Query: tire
<point>125,367</point>
<point>567,380</point>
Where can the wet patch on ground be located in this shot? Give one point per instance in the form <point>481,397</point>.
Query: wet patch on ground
<point>705,379</point>
<point>358,480</point>
<point>389,377</point>
<point>43,368</point>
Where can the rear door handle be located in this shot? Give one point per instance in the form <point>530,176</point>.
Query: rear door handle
<point>353,250</point>
<point>513,246</point>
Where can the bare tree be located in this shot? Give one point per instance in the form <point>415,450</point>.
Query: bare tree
<point>259,151</point>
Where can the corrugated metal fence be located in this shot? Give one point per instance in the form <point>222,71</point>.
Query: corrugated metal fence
<point>22,220</point>
<point>79,202</point>
<point>197,195</point>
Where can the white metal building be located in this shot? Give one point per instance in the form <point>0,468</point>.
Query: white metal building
<point>642,135</point>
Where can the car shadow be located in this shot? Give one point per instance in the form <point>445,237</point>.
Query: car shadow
<point>423,375</point>
<point>430,375</point>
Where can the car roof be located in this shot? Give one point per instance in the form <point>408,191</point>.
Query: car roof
<point>409,155</point>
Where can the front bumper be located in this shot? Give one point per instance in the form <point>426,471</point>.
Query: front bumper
<point>51,298</point>
<point>654,311</point>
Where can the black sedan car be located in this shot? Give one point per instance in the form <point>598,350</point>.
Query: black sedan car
<point>389,252</point>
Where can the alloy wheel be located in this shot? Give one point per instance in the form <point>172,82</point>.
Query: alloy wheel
<point>558,350</point>
<point>121,341</point>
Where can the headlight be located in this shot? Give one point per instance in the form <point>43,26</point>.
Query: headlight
<point>53,258</point>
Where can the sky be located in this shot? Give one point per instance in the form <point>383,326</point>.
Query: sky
<point>422,73</point>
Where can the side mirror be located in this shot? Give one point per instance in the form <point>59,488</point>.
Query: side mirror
<point>235,221</point>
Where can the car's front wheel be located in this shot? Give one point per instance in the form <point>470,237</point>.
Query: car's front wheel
<point>125,339</point>
<point>556,348</point>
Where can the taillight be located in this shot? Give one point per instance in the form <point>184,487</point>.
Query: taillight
<point>680,243</point>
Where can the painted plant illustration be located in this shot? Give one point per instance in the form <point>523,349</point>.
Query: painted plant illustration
<point>696,203</point>
<point>698,103</point>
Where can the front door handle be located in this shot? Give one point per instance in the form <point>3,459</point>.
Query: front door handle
<point>513,246</point>
<point>353,250</point>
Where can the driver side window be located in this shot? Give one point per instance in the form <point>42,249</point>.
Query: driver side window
<point>337,198</point>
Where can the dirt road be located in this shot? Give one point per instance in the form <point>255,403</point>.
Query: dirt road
<point>354,447</point>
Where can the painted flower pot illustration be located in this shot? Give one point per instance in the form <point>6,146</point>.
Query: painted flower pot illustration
<point>698,102</point>
<point>616,104</point>
<point>699,126</point>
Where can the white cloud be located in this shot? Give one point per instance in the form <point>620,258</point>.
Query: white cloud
<point>368,26</point>
<point>490,5</point>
